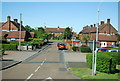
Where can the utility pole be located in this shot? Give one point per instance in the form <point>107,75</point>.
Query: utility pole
<point>20,32</point>
<point>96,42</point>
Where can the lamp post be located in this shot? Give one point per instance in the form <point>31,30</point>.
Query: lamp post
<point>20,32</point>
<point>96,42</point>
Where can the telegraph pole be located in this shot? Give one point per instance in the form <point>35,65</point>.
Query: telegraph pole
<point>20,32</point>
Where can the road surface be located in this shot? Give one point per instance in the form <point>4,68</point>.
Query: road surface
<point>47,64</point>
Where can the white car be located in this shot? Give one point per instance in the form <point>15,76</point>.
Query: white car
<point>113,50</point>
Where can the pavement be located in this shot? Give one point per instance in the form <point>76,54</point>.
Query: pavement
<point>75,59</point>
<point>11,58</point>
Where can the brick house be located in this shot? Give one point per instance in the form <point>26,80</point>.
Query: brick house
<point>107,34</point>
<point>11,31</point>
<point>56,31</point>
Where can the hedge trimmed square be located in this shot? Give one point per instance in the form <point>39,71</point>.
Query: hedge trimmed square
<point>105,63</point>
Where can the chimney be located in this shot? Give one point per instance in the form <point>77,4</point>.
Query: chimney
<point>108,21</point>
<point>102,22</point>
<point>15,20</point>
<point>58,27</point>
<point>94,25</point>
<point>91,26</point>
<point>8,18</point>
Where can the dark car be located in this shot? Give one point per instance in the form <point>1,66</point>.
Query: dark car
<point>61,46</point>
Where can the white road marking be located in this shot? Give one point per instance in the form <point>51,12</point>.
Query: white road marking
<point>37,69</point>
<point>29,77</point>
<point>49,78</point>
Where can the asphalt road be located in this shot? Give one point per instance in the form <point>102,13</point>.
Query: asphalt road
<point>47,64</point>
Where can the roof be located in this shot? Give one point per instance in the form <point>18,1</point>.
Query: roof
<point>89,29</point>
<point>32,34</point>
<point>18,25</point>
<point>104,37</point>
<point>56,29</point>
<point>16,34</point>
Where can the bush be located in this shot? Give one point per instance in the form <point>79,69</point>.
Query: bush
<point>74,48</point>
<point>9,46</point>
<point>105,63</point>
<point>14,42</point>
<point>85,49</point>
<point>114,55</point>
<point>1,51</point>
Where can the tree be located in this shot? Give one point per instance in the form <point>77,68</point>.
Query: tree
<point>85,38</point>
<point>118,37</point>
<point>67,33</point>
<point>42,34</point>
<point>29,29</point>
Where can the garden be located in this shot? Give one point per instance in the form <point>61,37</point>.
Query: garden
<point>107,67</point>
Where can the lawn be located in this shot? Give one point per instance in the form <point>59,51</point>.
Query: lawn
<point>85,73</point>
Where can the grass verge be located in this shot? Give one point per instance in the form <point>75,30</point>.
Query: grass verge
<point>85,73</point>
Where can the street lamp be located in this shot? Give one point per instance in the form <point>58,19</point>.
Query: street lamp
<point>20,32</point>
<point>96,41</point>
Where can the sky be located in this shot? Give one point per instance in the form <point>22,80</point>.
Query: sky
<point>62,14</point>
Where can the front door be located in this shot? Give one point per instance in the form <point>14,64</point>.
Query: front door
<point>103,44</point>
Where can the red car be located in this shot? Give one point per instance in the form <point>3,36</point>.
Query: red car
<point>61,46</point>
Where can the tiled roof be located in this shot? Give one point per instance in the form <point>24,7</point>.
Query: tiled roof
<point>55,29</point>
<point>18,25</point>
<point>15,34</point>
<point>32,34</point>
<point>104,37</point>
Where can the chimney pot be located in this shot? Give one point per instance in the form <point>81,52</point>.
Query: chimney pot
<point>8,18</point>
<point>102,22</point>
<point>94,25</point>
<point>15,20</point>
<point>108,21</point>
<point>91,25</point>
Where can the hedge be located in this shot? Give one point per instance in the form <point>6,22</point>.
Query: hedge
<point>105,63</point>
<point>114,55</point>
<point>9,46</point>
<point>85,49</point>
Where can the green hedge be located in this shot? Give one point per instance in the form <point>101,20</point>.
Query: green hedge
<point>114,55</point>
<point>105,63</point>
<point>1,51</point>
<point>85,49</point>
<point>9,46</point>
<point>74,48</point>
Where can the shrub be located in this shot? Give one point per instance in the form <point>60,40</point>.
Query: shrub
<point>9,46</point>
<point>1,51</point>
<point>105,63</point>
<point>14,42</point>
<point>85,49</point>
<point>114,55</point>
<point>74,48</point>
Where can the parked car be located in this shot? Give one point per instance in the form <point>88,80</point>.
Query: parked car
<point>102,49</point>
<point>61,46</point>
<point>113,50</point>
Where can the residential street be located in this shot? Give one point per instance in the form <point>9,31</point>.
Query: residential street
<point>48,63</point>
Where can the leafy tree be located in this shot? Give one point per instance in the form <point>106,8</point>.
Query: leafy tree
<point>118,37</point>
<point>85,38</point>
<point>42,34</point>
<point>29,29</point>
<point>67,33</point>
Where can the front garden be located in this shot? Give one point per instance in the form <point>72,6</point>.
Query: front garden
<point>107,67</point>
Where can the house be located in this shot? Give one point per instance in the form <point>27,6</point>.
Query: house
<point>107,34</point>
<point>11,31</point>
<point>56,31</point>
